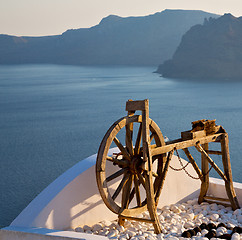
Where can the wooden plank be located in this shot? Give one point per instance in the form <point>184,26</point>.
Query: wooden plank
<point>192,135</point>
<point>213,164</point>
<point>222,201</point>
<point>137,219</point>
<point>216,199</point>
<point>214,152</point>
<point>219,202</point>
<point>136,105</point>
<point>179,144</point>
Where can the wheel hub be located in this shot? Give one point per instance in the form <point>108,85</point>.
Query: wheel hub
<point>135,164</point>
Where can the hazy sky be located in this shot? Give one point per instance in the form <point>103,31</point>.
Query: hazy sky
<point>50,17</point>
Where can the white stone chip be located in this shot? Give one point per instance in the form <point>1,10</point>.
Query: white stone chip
<point>79,229</point>
<point>240,219</point>
<point>214,217</point>
<point>174,219</point>
<point>235,236</point>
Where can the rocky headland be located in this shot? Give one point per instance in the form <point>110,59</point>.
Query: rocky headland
<point>209,51</point>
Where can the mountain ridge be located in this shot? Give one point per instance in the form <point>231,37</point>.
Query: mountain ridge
<point>147,40</point>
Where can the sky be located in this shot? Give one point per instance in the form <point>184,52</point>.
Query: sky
<point>52,17</point>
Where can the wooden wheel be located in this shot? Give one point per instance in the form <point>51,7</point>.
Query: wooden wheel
<point>121,176</point>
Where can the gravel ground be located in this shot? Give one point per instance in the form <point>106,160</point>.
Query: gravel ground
<point>175,220</point>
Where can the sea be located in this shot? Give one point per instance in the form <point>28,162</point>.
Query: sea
<point>53,116</point>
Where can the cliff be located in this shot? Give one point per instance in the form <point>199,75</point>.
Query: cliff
<point>147,40</point>
<point>209,51</point>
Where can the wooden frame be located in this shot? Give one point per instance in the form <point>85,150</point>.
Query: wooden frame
<point>146,166</point>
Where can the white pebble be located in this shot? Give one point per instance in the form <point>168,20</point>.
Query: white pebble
<point>174,220</point>
<point>229,231</point>
<point>214,217</point>
<point>230,224</point>
<point>189,216</point>
<point>204,232</point>
<point>182,207</point>
<point>214,207</point>
<point>87,228</point>
<point>120,228</point>
<point>79,229</point>
<point>161,217</point>
<point>189,225</point>
<point>235,236</point>
<point>112,233</point>
<point>104,232</point>
<point>123,237</point>
<point>239,218</point>
<point>192,202</point>
<point>97,227</point>
<point>237,212</point>
<point>172,238</point>
<point>204,212</point>
<point>131,233</point>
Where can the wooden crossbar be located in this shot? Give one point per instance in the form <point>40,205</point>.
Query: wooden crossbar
<point>180,144</point>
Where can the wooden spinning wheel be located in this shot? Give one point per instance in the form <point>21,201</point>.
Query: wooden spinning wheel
<point>130,180</point>
<point>134,168</point>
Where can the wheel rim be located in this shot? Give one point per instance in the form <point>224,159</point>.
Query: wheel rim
<point>125,196</point>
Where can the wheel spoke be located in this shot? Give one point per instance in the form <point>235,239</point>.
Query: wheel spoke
<point>152,136</point>
<point>141,179</point>
<point>128,138</point>
<point>138,141</point>
<point>137,191</point>
<point>131,196</point>
<point>126,192</point>
<point>120,186</point>
<point>109,159</point>
<point>122,148</point>
<point>115,175</point>
<point>154,174</point>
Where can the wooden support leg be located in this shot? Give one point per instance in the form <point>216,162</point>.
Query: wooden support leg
<point>227,171</point>
<point>205,177</point>
<point>121,221</point>
<point>151,202</point>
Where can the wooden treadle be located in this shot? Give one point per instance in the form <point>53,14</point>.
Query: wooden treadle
<point>137,219</point>
<point>222,201</point>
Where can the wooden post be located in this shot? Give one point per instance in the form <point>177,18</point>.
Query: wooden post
<point>147,158</point>
<point>205,177</point>
<point>228,172</point>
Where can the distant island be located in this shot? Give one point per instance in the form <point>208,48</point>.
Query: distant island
<point>147,40</point>
<point>209,51</point>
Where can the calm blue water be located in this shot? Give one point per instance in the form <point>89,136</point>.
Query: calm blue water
<point>52,116</point>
